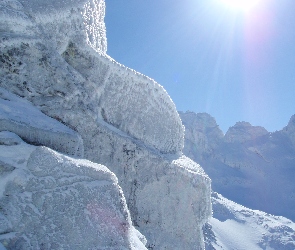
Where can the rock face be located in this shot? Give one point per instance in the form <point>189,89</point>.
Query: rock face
<point>54,55</point>
<point>202,133</point>
<point>243,131</point>
<point>247,160</point>
<point>289,130</point>
<point>51,201</point>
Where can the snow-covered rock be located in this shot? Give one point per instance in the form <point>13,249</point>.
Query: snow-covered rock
<point>65,72</point>
<point>61,22</point>
<point>248,165</point>
<point>52,53</point>
<point>236,227</point>
<point>21,117</point>
<point>168,196</point>
<point>51,201</point>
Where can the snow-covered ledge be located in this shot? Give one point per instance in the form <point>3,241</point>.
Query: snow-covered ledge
<point>51,201</point>
<point>37,32</point>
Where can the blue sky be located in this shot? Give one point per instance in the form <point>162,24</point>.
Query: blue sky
<point>236,66</point>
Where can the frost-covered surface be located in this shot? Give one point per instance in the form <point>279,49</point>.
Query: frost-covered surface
<point>57,61</point>
<point>248,165</point>
<point>2,247</point>
<point>61,73</point>
<point>81,22</point>
<point>168,197</point>
<point>236,227</point>
<point>173,208</point>
<point>51,201</point>
<point>21,117</point>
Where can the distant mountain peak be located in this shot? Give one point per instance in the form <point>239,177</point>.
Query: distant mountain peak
<point>249,165</point>
<point>291,122</point>
<point>244,131</point>
<point>200,121</point>
<point>290,129</point>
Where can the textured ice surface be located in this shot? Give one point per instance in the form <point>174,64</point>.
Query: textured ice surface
<point>168,197</point>
<point>61,66</point>
<point>21,117</point>
<point>51,201</point>
<point>127,121</point>
<point>81,22</point>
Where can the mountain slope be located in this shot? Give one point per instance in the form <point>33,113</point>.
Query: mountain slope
<point>248,164</point>
<point>236,227</point>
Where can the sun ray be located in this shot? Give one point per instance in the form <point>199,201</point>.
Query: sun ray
<point>242,5</point>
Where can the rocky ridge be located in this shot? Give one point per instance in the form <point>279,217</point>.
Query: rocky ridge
<point>247,160</point>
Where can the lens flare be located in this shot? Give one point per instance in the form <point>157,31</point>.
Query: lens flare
<point>243,5</point>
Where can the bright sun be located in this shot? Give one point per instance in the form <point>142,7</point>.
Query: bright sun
<point>243,5</point>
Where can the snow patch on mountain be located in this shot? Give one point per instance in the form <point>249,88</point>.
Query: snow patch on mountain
<point>248,160</point>
<point>236,227</point>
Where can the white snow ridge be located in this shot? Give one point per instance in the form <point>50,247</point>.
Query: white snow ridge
<point>63,98</point>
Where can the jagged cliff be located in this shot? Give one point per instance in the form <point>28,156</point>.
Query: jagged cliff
<point>53,54</point>
<point>248,165</point>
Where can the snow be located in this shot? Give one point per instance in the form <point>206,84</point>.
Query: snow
<point>21,117</point>
<point>2,247</point>
<point>238,227</point>
<point>152,183</point>
<point>53,54</point>
<point>42,186</point>
<point>76,73</point>
<point>158,190</point>
<point>13,154</point>
<point>83,22</point>
<point>56,60</point>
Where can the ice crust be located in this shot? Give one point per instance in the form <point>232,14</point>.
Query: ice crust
<point>73,71</point>
<point>70,20</point>
<point>21,117</point>
<point>52,201</point>
<point>127,121</point>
